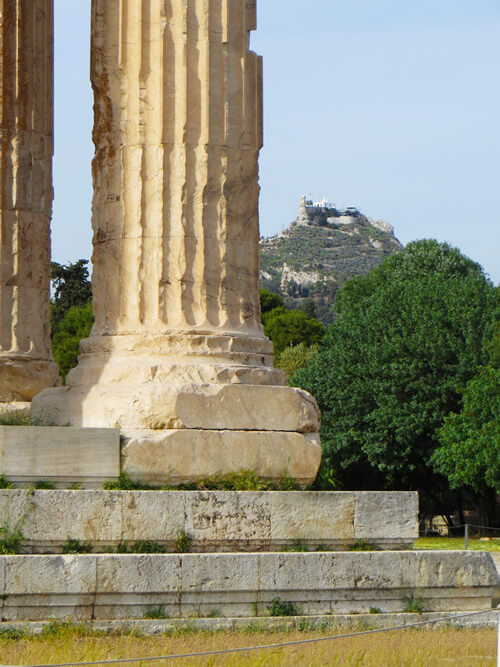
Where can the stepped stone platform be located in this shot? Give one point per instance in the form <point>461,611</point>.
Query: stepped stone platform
<point>214,520</point>
<point>110,586</point>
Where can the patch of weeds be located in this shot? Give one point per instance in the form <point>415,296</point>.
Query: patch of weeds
<point>287,483</point>
<point>414,605</point>
<point>361,545</point>
<point>244,480</point>
<point>13,634</point>
<point>11,539</point>
<point>5,484</point>
<point>305,626</point>
<point>122,548</point>
<point>148,547</point>
<point>63,629</point>
<point>124,483</point>
<point>279,607</point>
<point>75,486</point>
<point>4,596</point>
<point>44,484</point>
<point>214,613</point>
<point>255,609</point>
<point>156,612</point>
<point>255,627</point>
<point>297,546</point>
<point>183,542</point>
<point>74,546</point>
<point>323,626</point>
<point>375,610</point>
<point>15,418</point>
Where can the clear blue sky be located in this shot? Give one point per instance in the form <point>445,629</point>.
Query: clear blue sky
<point>388,105</point>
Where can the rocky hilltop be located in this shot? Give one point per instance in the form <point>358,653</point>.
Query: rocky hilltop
<point>320,250</point>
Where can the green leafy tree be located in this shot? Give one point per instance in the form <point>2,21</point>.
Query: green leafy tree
<point>269,301</point>
<point>291,327</point>
<point>295,357</point>
<point>71,287</point>
<point>309,308</point>
<point>75,325</point>
<point>406,338</point>
<point>470,442</point>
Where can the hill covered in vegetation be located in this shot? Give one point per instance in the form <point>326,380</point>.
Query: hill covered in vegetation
<point>325,246</point>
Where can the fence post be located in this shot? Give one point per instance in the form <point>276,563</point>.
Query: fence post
<point>466,536</point>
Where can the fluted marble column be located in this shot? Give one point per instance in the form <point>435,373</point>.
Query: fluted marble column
<point>177,347</point>
<point>26,148</point>
<point>178,131</point>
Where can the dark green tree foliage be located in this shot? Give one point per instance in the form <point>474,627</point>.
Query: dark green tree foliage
<point>408,336</point>
<point>75,325</point>
<point>470,440</point>
<point>287,327</point>
<point>71,287</point>
<point>71,311</point>
<point>309,308</point>
<point>269,301</point>
<point>469,454</point>
<point>291,327</point>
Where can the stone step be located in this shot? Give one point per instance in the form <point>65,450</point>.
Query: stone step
<point>107,587</point>
<point>211,520</point>
<point>337,623</point>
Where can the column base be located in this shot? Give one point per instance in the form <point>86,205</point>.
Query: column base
<point>22,379</point>
<point>190,407</point>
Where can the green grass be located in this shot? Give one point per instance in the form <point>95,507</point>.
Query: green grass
<point>457,543</point>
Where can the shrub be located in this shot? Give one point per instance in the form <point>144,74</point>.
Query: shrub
<point>279,607</point>
<point>183,542</point>
<point>74,546</point>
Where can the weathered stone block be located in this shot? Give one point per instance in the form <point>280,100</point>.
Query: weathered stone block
<point>50,575</point>
<point>133,574</point>
<point>459,569</point>
<point>88,516</point>
<point>184,455</point>
<point>17,510</point>
<point>62,455</point>
<point>151,515</point>
<point>215,519</point>
<point>319,516</point>
<point>392,514</point>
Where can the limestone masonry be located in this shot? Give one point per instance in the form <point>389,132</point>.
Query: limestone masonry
<point>26,148</point>
<point>214,520</point>
<point>111,586</point>
<point>177,342</point>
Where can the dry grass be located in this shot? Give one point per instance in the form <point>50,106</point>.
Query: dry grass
<point>411,647</point>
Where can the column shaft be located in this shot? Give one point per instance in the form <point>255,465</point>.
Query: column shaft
<point>178,131</point>
<point>26,148</point>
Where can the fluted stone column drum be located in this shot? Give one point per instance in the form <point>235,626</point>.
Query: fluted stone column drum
<point>177,358</point>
